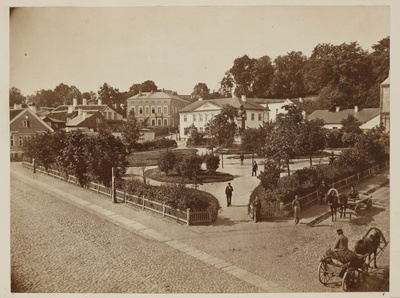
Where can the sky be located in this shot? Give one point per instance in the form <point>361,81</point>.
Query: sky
<point>176,47</point>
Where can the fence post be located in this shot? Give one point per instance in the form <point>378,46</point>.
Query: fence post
<point>34,165</point>
<point>163,209</point>
<point>143,206</point>
<point>188,216</point>
<point>124,196</point>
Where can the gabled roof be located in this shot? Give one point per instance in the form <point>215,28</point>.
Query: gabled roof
<point>302,106</point>
<point>156,95</point>
<point>16,113</point>
<point>79,119</point>
<point>249,104</point>
<point>363,115</point>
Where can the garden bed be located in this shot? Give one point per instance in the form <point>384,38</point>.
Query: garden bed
<point>150,158</point>
<point>173,177</point>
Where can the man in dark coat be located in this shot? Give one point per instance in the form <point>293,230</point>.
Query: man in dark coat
<point>228,192</point>
<point>322,191</point>
<point>257,210</point>
<point>254,169</point>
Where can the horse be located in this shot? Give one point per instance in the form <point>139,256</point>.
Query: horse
<point>368,245</point>
<point>343,198</point>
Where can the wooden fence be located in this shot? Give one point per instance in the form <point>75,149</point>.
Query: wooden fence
<point>312,198</point>
<point>186,216</point>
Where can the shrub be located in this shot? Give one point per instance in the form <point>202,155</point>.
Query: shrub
<point>334,139</point>
<point>189,166</point>
<point>212,162</point>
<point>167,161</point>
<point>270,176</point>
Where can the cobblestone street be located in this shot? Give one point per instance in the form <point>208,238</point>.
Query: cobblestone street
<point>57,247</point>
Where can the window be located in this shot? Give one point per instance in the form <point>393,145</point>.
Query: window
<point>194,118</point>
<point>20,141</point>
<point>259,117</point>
<point>153,122</point>
<point>26,123</point>
<point>12,141</point>
<point>165,122</point>
<point>98,120</point>
<point>201,117</point>
<point>252,116</point>
<point>159,122</point>
<point>165,110</point>
<point>26,139</point>
<point>146,110</point>
<point>133,109</point>
<point>159,110</point>
<point>140,110</point>
<point>184,118</point>
<point>153,110</point>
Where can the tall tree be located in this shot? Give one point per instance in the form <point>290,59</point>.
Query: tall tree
<point>243,75</point>
<point>289,76</point>
<point>46,98</point>
<point>313,137</point>
<point>201,91</point>
<point>222,128</point>
<point>16,97</point>
<point>227,84</point>
<point>148,86</point>
<point>66,94</point>
<point>350,130</point>
<point>263,76</point>
<point>130,132</point>
<point>110,95</point>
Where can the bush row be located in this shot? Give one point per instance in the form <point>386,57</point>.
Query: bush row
<point>155,144</point>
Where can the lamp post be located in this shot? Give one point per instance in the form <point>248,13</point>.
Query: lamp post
<point>113,187</point>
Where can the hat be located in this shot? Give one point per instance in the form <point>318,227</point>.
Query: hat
<point>339,231</point>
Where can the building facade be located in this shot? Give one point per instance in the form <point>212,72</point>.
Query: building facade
<point>385,104</point>
<point>200,112</point>
<point>24,125</point>
<point>156,108</point>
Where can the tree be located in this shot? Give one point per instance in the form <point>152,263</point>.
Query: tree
<point>222,128</point>
<point>313,137</point>
<point>148,86</point>
<point>243,74</point>
<point>16,97</point>
<point>350,130</point>
<point>270,176</point>
<point>201,91</point>
<point>282,142</point>
<point>289,76</point>
<point>65,94</point>
<point>189,166</point>
<point>130,132</point>
<point>46,98</point>
<point>263,76</point>
<point>103,152</point>
<point>227,84</point>
<point>251,139</point>
<point>195,137</point>
<point>110,95</point>
<point>212,162</point>
<point>73,156</point>
<point>167,161</point>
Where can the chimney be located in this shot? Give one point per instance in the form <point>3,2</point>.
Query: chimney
<point>200,99</point>
<point>355,109</point>
<point>79,111</point>
<point>244,98</point>
<point>337,109</point>
<point>84,101</point>
<point>32,106</point>
<point>301,100</point>
<point>70,109</point>
<point>99,102</point>
<point>84,115</point>
<point>74,102</point>
<point>140,93</point>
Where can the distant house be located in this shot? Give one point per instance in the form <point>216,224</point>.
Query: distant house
<point>24,125</point>
<point>156,108</point>
<point>84,121</point>
<point>385,104</point>
<point>278,106</point>
<point>201,112</point>
<point>369,117</point>
<point>63,114</point>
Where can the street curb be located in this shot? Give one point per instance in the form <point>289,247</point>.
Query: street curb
<point>328,213</point>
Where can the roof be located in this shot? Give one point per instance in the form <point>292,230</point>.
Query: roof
<point>363,115</point>
<point>63,108</point>
<point>306,108</point>
<point>78,119</point>
<point>156,95</point>
<point>249,104</point>
<point>14,113</point>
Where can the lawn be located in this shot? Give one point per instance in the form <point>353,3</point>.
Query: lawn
<point>173,177</point>
<point>150,158</point>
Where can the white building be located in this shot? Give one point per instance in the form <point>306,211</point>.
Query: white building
<point>201,112</point>
<point>369,117</point>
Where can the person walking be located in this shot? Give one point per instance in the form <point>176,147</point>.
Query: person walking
<point>228,192</point>
<point>322,191</point>
<point>257,209</point>
<point>241,158</point>
<point>296,209</point>
<point>254,169</point>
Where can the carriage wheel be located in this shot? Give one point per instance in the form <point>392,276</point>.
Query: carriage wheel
<point>349,280</point>
<point>325,272</point>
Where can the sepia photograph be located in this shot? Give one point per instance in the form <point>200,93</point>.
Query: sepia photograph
<point>200,148</point>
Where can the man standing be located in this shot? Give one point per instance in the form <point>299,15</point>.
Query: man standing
<point>254,169</point>
<point>257,209</point>
<point>241,158</point>
<point>228,192</point>
<point>322,191</point>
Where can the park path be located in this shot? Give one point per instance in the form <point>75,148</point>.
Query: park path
<point>243,184</point>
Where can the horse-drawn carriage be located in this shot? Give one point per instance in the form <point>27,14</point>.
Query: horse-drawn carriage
<point>346,205</point>
<point>365,253</point>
